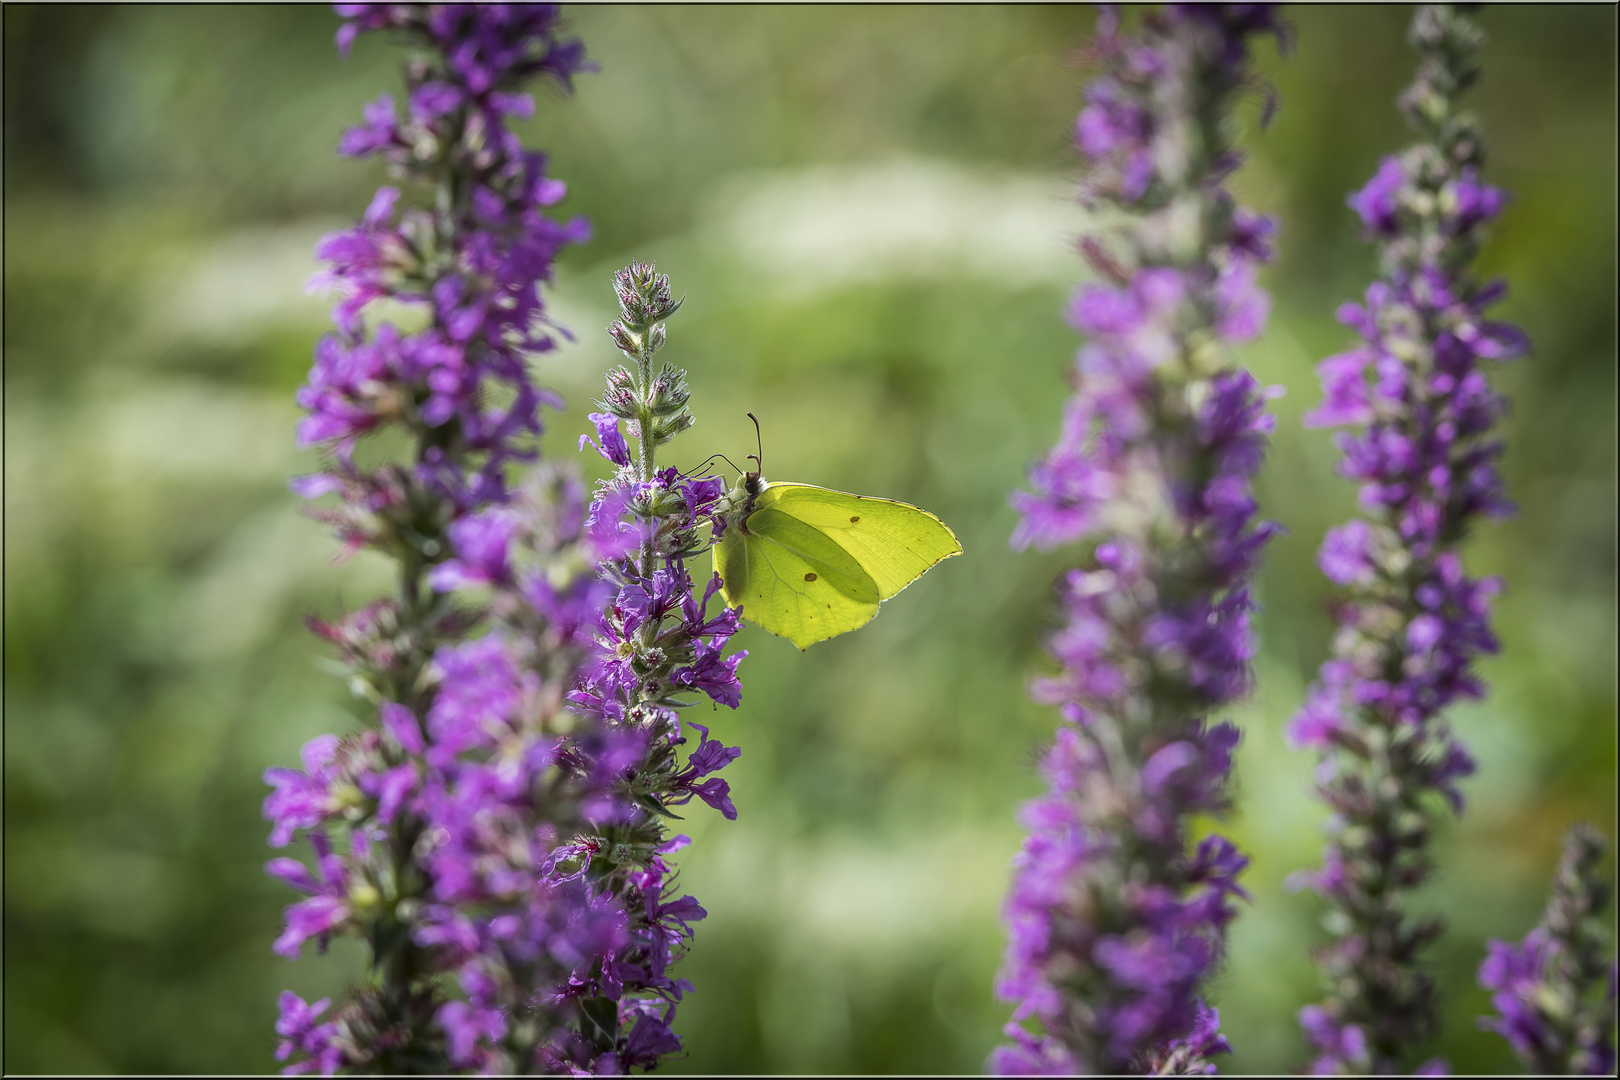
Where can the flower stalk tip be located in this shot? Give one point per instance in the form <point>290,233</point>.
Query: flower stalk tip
<point>1554,992</point>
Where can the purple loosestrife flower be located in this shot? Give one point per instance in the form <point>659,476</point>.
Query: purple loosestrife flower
<point>1554,993</point>
<point>656,648</point>
<point>302,1034</point>
<point>1419,415</point>
<point>459,835</point>
<point>1116,918</point>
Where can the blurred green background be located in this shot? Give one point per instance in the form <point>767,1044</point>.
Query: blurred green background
<point>869,210</point>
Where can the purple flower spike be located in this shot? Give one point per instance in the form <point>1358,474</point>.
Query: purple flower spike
<point>655,647</point>
<point>453,137</point>
<point>483,809</point>
<point>1115,919</point>
<point>1418,418</point>
<point>1554,993</point>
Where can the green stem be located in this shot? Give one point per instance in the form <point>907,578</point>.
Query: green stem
<point>645,447</point>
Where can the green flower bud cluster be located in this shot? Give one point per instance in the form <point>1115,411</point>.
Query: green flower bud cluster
<point>654,404</point>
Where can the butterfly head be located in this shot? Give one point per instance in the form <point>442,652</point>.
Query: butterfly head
<point>734,508</point>
<point>735,505</point>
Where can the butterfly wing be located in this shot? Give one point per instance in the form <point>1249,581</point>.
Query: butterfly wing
<point>792,579</point>
<point>895,543</point>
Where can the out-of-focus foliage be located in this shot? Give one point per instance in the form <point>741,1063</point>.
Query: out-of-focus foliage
<point>869,210</point>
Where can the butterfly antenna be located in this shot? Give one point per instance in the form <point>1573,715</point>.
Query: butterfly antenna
<point>759,444</point>
<point>708,459</point>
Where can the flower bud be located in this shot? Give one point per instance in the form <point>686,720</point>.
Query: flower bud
<point>668,392</point>
<point>625,339</point>
<point>655,338</point>
<point>667,428</point>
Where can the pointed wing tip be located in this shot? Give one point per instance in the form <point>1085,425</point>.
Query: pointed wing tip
<point>956,543</point>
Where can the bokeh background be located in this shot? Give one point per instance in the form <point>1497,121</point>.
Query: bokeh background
<point>869,209</point>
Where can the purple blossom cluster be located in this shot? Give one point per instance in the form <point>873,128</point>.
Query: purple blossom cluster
<point>1191,1054</point>
<point>1420,419</point>
<point>473,814</point>
<point>468,266</point>
<point>1554,992</point>
<point>1116,917</point>
<point>471,836</point>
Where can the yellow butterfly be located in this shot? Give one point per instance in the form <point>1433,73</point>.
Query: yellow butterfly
<point>809,563</point>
